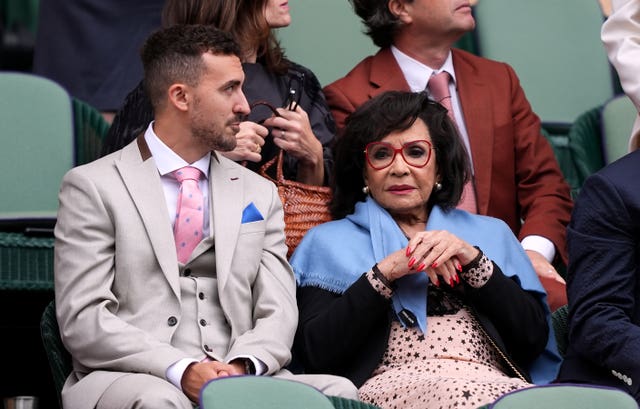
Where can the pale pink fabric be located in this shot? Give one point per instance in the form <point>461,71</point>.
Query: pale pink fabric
<point>438,87</point>
<point>187,230</point>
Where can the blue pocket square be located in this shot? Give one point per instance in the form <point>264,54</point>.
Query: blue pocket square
<point>251,214</point>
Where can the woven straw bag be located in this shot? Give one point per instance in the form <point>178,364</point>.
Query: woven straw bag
<point>305,206</point>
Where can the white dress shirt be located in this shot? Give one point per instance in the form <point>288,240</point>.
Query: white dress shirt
<point>167,162</point>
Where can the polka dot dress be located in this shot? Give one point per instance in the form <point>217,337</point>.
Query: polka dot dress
<point>453,366</point>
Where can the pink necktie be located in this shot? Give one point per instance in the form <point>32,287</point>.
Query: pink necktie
<point>438,87</point>
<point>187,230</point>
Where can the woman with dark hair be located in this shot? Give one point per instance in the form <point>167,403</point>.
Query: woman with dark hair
<point>449,311</point>
<point>303,126</point>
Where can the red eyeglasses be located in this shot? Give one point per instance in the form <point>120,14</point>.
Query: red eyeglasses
<point>382,154</point>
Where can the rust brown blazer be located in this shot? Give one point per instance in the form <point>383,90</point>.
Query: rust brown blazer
<point>516,174</point>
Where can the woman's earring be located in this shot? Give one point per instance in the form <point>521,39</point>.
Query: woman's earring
<point>438,186</point>
<point>365,190</point>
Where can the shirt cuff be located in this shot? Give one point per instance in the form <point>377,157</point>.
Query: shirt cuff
<point>261,367</point>
<point>540,244</point>
<point>175,371</point>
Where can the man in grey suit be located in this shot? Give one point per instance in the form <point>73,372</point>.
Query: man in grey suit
<point>146,324</point>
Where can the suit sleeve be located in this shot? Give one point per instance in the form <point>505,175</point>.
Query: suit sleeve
<point>273,298</point>
<point>84,269</point>
<point>542,193</point>
<point>341,107</point>
<point>603,280</point>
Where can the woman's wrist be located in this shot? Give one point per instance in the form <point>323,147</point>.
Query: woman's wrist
<point>474,261</point>
<point>383,278</point>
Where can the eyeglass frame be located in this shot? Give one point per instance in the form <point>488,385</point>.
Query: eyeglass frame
<point>395,153</point>
<point>295,93</point>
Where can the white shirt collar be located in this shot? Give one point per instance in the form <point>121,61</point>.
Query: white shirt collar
<point>167,160</point>
<point>416,73</point>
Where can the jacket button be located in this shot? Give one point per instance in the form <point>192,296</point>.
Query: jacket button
<point>187,272</point>
<point>207,348</point>
<point>203,322</point>
<point>172,321</point>
<point>201,296</point>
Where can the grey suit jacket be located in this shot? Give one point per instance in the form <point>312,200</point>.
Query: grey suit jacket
<point>117,279</point>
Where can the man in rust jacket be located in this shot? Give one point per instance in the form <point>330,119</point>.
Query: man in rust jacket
<point>515,174</point>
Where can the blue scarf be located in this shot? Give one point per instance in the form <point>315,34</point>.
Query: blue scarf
<point>334,255</point>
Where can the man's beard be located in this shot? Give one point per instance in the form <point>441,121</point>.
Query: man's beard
<point>213,137</point>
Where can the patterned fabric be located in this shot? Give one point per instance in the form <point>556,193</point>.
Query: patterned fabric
<point>438,86</point>
<point>478,275</point>
<point>455,362</point>
<point>189,212</point>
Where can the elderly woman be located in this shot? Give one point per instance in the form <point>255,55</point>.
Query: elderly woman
<point>418,303</point>
<point>303,127</point>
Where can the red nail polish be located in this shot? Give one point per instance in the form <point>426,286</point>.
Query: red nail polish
<point>437,283</point>
<point>408,251</point>
<point>421,267</point>
<point>451,282</point>
<point>459,267</point>
<point>412,261</point>
<point>457,279</point>
<point>434,265</point>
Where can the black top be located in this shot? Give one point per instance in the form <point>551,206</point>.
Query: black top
<point>259,85</point>
<point>346,334</point>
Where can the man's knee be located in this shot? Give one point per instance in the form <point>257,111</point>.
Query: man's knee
<point>139,391</point>
<point>339,386</point>
<point>328,384</point>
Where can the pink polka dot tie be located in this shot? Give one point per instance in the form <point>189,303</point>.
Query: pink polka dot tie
<point>438,87</point>
<point>187,230</point>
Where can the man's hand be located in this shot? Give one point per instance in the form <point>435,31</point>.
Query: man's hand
<point>197,374</point>
<point>552,282</point>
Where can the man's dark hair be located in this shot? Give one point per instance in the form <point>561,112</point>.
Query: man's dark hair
<point>390,112</point>
<point>174,54</point>
<point>380,22</point>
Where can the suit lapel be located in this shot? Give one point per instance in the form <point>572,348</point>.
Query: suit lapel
<point>476,103</point>
<point>386,74</point>
<point>226,195</point>
<point>140,175</point>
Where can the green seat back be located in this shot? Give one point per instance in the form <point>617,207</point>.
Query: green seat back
<point>585,143</point>
<point>58,357</point>
<point>90,131</point>
<point>566,396</point>
<point>554,47</point>
<point>260,392</point>
<point>618,116</point>
<point>37,145</point>
<point>559,320</point>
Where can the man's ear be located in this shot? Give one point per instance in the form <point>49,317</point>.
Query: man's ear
<point>399,9</point>
<point>179,96</point>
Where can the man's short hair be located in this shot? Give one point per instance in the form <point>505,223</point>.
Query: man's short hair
<point>174,55</point>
